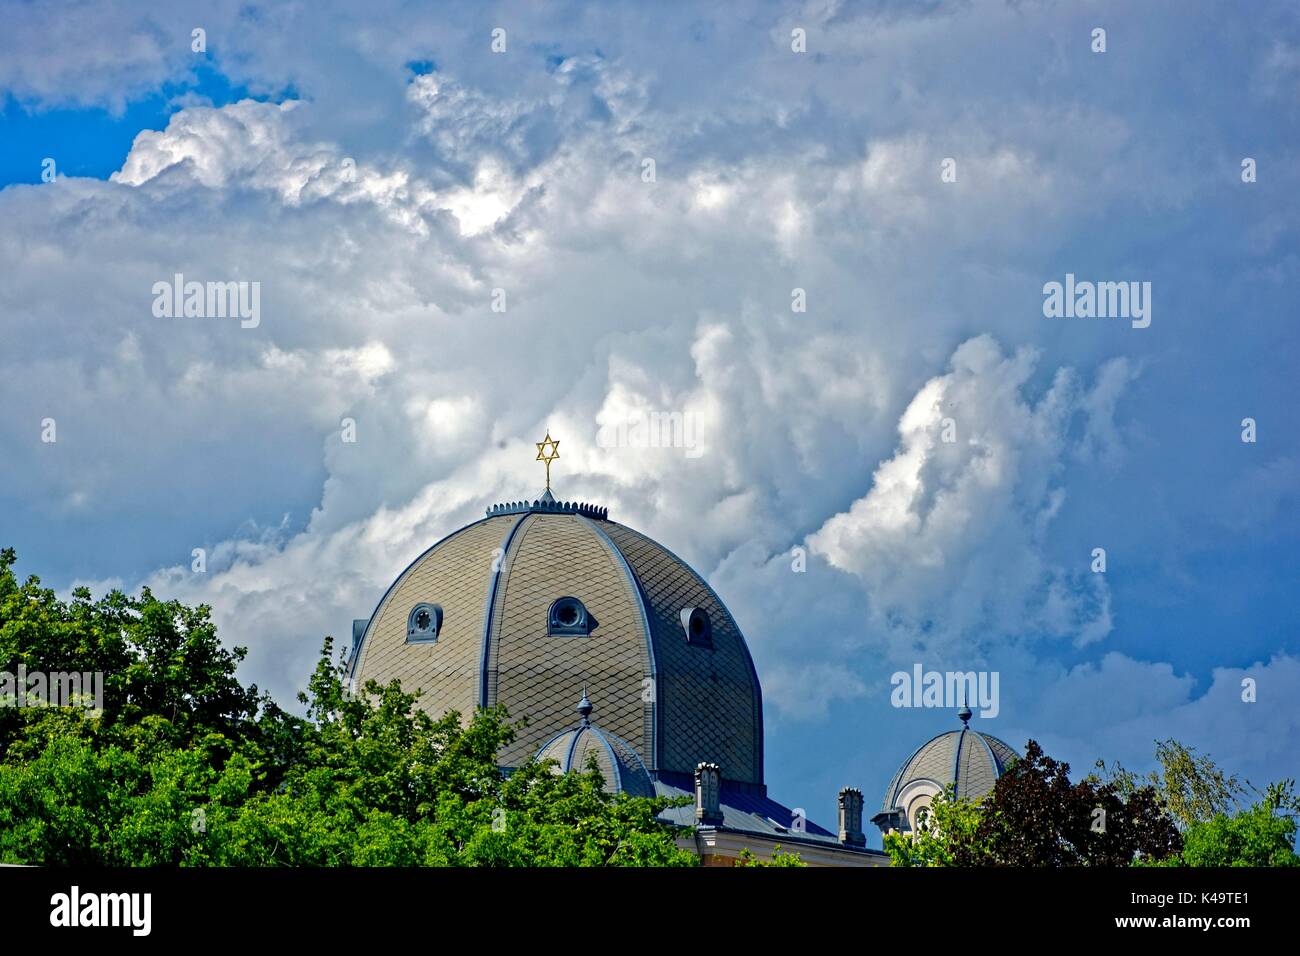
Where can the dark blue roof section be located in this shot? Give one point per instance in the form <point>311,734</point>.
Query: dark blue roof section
<point>743,808</point>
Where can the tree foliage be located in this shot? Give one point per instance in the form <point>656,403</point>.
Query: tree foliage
<point>1206,803</point>
<point>1262,834</point>
<point>779,857</point>
<point>945,835</point>
<point>1190,785</point>
<point>1036,816</point>
<point>1187,813</point>
<point>186,766</point>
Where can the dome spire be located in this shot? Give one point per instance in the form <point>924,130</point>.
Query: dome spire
<point>585,708</point>
<point>965,715</point>
<point>548,449</point>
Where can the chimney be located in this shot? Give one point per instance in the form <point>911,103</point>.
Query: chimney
<point>708,794</point>
<point>851,817</point>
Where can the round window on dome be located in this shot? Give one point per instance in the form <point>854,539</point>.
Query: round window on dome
<point>423,624</point>
<point>568,617</point>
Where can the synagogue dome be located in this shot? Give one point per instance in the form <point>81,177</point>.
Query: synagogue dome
<point>539,600</point>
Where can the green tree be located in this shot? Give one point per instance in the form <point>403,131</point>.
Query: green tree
<point>945,835</point>
<point>167,679</point>
<point>1190,785</point>
<point>1262,834</point>
<point>1036,816</point>
<point>185,766</point>
<point>1206,803</point>
<point>779,858</point>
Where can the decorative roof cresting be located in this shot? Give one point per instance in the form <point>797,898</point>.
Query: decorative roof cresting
<point>548,449</point>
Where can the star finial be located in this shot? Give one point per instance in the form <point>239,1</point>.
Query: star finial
<point>548,449</point>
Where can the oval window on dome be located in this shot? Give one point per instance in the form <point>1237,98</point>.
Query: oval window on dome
<point>423,623</point>
<point>568,617</point>
<point>698,626</point>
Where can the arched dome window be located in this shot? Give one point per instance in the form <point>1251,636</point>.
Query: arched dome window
<point>423,623</point>
<point>919,812</point>
<point>698,627</point>
<point>568,617</point>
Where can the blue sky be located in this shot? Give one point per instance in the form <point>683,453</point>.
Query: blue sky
<point>380,172</point>
<point>93,140</point>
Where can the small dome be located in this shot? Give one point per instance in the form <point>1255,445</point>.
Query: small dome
<point>968,759</point>
<point>618,760</point>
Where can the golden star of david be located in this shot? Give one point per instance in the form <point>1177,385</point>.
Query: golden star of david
<point>548,449</point>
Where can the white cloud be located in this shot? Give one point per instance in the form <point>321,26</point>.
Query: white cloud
<point>625,298</point>
<point>948,542</point>
<point>806,692</point>
<point>1118,707</point>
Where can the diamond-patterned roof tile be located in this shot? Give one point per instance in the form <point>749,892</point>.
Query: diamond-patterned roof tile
<point>674,703</point>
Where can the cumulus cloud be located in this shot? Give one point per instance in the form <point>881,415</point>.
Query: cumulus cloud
<point>948,543</point>
<point>1117,707</point>
<point>92,53</point>
<point>385,208</point>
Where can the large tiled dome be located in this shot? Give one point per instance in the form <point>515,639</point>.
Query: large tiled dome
<point>540,599</point>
